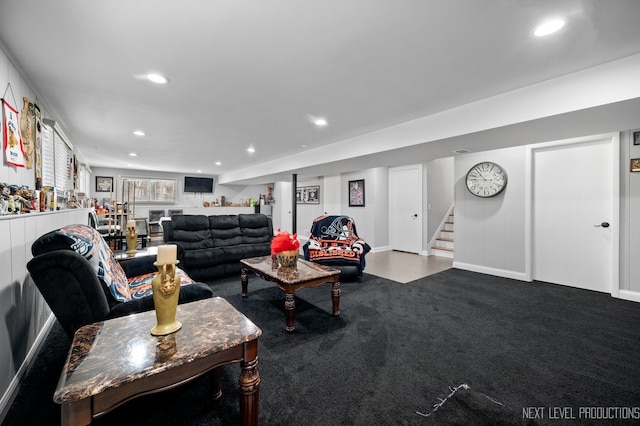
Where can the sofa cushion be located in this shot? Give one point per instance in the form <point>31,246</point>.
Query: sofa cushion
<point>255,228</point>
<point>87,242</point>
<point>225,230</point>
<point>192,231</point>
<point>202,258</point>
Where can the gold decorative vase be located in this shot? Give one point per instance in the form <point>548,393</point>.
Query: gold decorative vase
<point>288,258</point>
<point>166,290</point>
<point>132,240</point>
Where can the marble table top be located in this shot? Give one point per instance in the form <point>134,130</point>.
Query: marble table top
<point>107,354</point>
<point>305,271</point>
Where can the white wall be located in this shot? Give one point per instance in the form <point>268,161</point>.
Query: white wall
<point>372,219</point>
<point>23,311</point>
<point>490,232</point>
<point>629,219</point>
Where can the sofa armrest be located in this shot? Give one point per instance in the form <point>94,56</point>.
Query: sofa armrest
<point>138,265</point>
<point>71,288</point>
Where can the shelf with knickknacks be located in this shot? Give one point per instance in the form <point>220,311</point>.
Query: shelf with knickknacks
<point>15,200</point>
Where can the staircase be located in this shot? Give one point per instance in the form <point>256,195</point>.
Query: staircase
<point>443,245</point>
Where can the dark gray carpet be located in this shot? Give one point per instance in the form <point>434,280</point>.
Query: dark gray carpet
<point>454,348</point>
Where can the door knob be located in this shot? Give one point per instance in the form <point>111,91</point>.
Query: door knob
<point>415,215</point>
<point>603,224</point>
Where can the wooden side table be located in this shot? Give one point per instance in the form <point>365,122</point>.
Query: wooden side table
<point>113,361</point>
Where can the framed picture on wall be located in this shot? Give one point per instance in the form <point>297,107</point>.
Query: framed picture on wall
<point>313,194</point>
<point>356,193</point>
<point>636,138</point>
<point>104,184</point>
<point>635,164</point>
<point>308,194</point>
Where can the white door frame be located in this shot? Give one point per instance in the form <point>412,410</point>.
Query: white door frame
<point>615,199</point>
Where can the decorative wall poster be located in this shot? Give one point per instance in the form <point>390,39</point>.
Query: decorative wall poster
<point>13,149</point>
<point>356,193</point>
<point>27,132</point>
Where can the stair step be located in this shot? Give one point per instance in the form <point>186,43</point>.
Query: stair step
<point>442,248</point>
<point>449,240</point>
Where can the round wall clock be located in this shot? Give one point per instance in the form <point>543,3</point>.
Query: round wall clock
<point>486,179</point>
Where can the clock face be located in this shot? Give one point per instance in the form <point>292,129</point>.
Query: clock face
<point>486,179</point>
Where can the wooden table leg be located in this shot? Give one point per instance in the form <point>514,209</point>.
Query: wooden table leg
<point>249,385</point>
<point>289,309</point>
<point>335,297</point>
<point>216,386</point>
<point>244,280</point>
<point>76,413</point>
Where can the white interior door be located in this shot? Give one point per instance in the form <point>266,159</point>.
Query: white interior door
<point>405,208</point>
<point>281,213</point>
<point>572,199</point>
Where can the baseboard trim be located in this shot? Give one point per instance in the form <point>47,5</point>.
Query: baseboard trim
<point>632,296</point>
<point>380,249</point>
<point>520,276</point>
<point>14,386</point>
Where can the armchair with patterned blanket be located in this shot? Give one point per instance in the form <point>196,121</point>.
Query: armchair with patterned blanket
<point>333,241</point>
<point>82,282</point>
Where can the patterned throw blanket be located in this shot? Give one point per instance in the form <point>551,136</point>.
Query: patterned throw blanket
<point>334,241</point>
<point>87,242</point>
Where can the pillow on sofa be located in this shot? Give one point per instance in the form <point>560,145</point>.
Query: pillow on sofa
<point>140,286</point>
<point>87,242</point>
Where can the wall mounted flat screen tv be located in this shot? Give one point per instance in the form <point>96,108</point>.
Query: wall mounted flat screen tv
<point>198,184</point>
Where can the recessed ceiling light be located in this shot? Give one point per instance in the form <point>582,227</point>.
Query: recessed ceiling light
<point>198,171</point>
<point>251,150</point>
<point>548,27</point>
<point>157,78</point>
<point>133,154</point>
<point>218,163</point>
<point>139,133</point>
<point>320,122</point>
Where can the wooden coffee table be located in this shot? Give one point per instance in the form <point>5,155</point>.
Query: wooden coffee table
<point>114,361</point>
<point>290,280</point>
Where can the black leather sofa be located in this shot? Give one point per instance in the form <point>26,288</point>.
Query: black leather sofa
<point>212,246</point>
<point>74,271</point>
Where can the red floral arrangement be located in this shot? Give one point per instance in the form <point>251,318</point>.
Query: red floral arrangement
<point>283,241</point>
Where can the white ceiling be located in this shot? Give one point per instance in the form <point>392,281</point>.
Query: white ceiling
<point>256,72</point>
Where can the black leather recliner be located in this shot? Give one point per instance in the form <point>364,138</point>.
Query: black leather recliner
<point>74,289</point>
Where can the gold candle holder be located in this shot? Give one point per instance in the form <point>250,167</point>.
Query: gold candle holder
<point>166,290</point>
<point>132,237</point>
